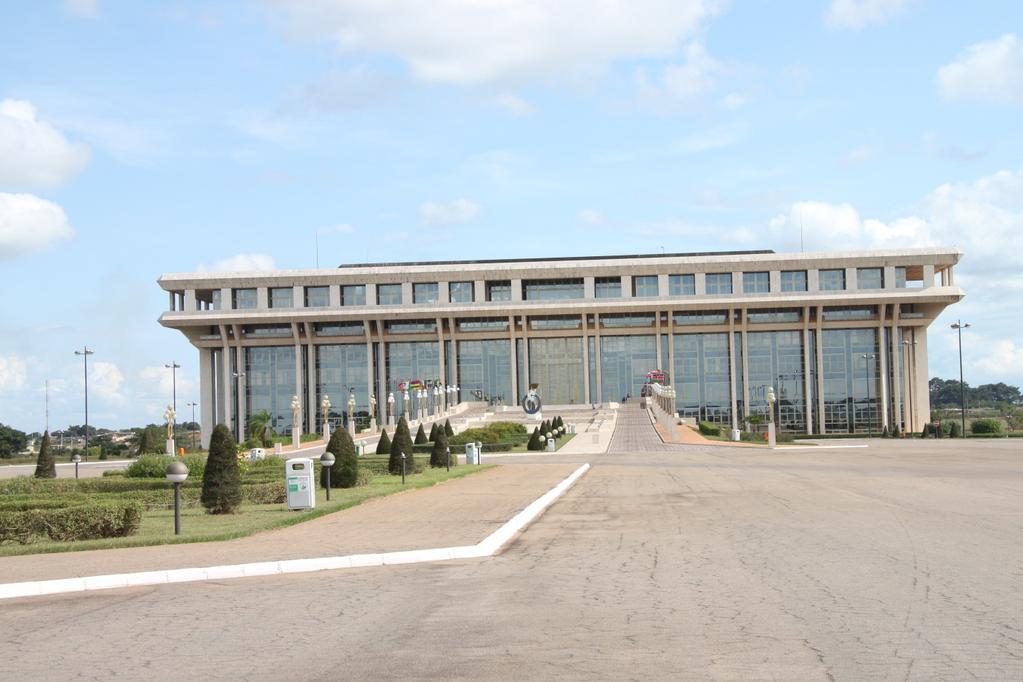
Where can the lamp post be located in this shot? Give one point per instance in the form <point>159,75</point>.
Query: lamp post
<point>174,367</point>
<point>76,458</point>
<point>325,408</point>
<point>176,473</point>
<point>238,376</point>
<point>959,326</point>
<point>403,468</point>
<point>192,404</point>
<point>85,353</point>
<point>867,357</point>
<point>327,461</point>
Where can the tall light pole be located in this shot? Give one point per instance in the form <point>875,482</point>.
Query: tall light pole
<point>959,326</point>
<point>238,376</point>
<point>192,405</point>
<point>85,353</point>
<point>174,367</point>
<point>867,357</point>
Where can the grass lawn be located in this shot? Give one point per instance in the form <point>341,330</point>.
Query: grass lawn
<point>157,527</point>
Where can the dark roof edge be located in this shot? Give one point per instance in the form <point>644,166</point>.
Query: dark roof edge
<point>566,258</point>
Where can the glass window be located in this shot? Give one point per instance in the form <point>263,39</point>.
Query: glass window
<point>267,330</point>
<point>612,320</point>
<point>756,282</point>
<point>607,287</point>
<point>851,382</point>
<point>270,383</point>
<point>461,292</point>
<point>499,291</point>
<point>317,297</point>
<point>244,299</point>
<point>339,329</point>
<point>339,369</point>
<point>793,280</point>
<point>483,324</point>
<point>556,366</point>
<point>702,386</point>
<point>484,370</point>
<point>719,283</point>
<point>551,289</point>
<point>425,292</point>
<point>900,278</point>
<point>624,363</point>
<point>870,278</point>
<point>831,280</point>
<point>644,286</point>
<point>388,294</point>
<point>702,317</point>
<point>775,315</point>
<point>353,294</point>
<point>282,297</point>
<point>556,322</point>
<point>681,285</point>
<point>215,299</point>
<point>411,326</point>
<point>775,359</point>
<point>865,312</point>
<point>409,361</point>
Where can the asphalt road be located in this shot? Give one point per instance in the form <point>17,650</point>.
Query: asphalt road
<point>901,561</point>
<point>65,470</point>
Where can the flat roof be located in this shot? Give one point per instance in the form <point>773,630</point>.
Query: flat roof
<point>488,261</point>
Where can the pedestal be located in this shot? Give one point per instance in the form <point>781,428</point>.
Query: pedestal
<point>771,438</point>
<point>326,432</point>
<point>351,427</point>
<point>390,421</point>
<point>170,447</point>
<point>373,425</point>
<point>296,439</point>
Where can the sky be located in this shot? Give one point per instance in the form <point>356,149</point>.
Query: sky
<point>139,138</point>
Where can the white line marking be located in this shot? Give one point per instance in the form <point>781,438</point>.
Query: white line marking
<point>489,546</point>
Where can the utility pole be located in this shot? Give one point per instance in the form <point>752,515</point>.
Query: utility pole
<point>85,353</point>
<point>192,405</point>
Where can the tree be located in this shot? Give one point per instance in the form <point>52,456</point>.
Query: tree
<point>45,466</point>
<point>433,432</point>
<point>12,442</point>
<point>345,471</point>
<point>438,455</point>
<point>384,444</point>
<point>955,430</point>
<point>447,428</point>
<point>534,440</point>
<point>402,443</point>
<point>221,480</point>
<point>261,429</point>
<point>148,441</point>
<point>421,436</point>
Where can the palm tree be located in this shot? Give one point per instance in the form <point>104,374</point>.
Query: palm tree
<point>260,429</point>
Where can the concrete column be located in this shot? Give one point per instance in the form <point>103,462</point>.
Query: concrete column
<point>479,290</point>
<point>243,381</point>
<point>851,281</point>
<point>807,383</point>
<point>657,335</point>
<point>525,350</point>
<point>745,357</point>
<point>443,292</point>
<point>898,415</point>
<point>190,301</point>
<point>889,276</point>
<point>334,296</point>
<point>406,293</point>
<point>262,298</point>
<point>700,280</point>
<point>883,363</point>
<point>371,294</point>
<point>820,370</point>
<point>371,385</point>
<point>813,280</point>
<point>440,348</point>
<point>731,369</point>
<point>516,290</point>
<point>950,275</point>
<point>589,287</point>
<point>382,377</point>
<point>928,276</point>
<point>226,380</point>
<point>596,348</point>
<point>586,360</point>
<point>671,348</point>
<point>170,301</point>
<point>226,302</point>
<point>514,361</point>
<point>662,285</point>
<point>298,371</point>
<point>921,391</point>
<point>298,296</point>
<point>311,402</point>
<point>775,281</point>
<point>206,406</point>
<point>626,286</point>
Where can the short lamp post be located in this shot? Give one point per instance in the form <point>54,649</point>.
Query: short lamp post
<point>327,461</point>
<point>176,473</point>
<point>76,458</point>
<point>959,326</point>
<point>403,468</point>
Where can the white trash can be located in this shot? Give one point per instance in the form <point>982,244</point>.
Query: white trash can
<point>300,480</point>
<point>471,453</point>
<point>550,445</point>
<point>736,435</point>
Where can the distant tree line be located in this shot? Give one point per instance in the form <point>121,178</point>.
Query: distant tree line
<point>946,393</point>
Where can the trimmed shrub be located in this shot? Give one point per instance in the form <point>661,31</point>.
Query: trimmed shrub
<point>221,481</point>
<point>78,522</point>
<point>447,428</point>
<point>988,425</point>
<point>265,493</point>
<point>896,432</point>
<point>495,434</point>
<point>46,467</point>
<point>384,444</point>
<point>402,443</point>
<point>955,430</point>
<point>421,438</point>
<point>151,466</point>
<point>345,471</point>
<point>149,441</point>
<point>884,432</point>
<point>439,453</point>
<point>433,432</point>
<point>709,429</point>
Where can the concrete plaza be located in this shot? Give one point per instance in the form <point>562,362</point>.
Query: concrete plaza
<point>898,561</point>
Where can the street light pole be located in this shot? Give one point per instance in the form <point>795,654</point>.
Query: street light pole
<point>174,367</point>
<point>867,357</point>
<point>959,326</point>
<point>192,405</point>
<point>238,376</point>
<point>85,353</point>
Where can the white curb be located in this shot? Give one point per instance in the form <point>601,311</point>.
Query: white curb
<point>489,546</point>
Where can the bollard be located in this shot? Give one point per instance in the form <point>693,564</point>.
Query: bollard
<point>448,461</point>
<point>403,468</point>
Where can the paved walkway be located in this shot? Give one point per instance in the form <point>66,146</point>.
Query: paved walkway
<point>459,512</point>
<point>634,432</point>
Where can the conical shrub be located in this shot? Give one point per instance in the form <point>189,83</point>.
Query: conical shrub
<point>384,444</point>
<point>221,480</point>
<point>421,436</point>
<point>402,442</point>
<point>534,440</point>
<point>345,471</point>
<point>433,432</point>
<point>439,453</point>
<point>447,428</point>
<point>46,467</point>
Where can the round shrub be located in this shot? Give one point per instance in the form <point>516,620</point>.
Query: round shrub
<point>988,425</point>
<point>345,471</point>
<point>221,481</point>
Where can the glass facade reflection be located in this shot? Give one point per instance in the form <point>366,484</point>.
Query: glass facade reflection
<point>484,370</point>
<point>851,386</point>
<point>776,359</point>
<point>701,377</point>
<point>270,383</point>
<point>624,363</point>
<point>339,369</point>
<point>557,366</point>
<point>411,360</point>
<point>551,289</point>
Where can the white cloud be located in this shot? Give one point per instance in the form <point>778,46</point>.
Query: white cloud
<point>106,378</point>
<point>467,43</point>
<point>680,86</point>
<point>856,14</point>
<point>1000,356</point>
<point>29,224</point>
<point>991,71</point>
<point>12,373</point>
<point>243,262</point>
<point>156,383</point>
<point>709,140</point>
<point>457,211</point>
<point>513,104</point>
<point>591,217</point>
<point>32,152</point>
<point>81,8</point>
<point>860,155</point>
<point>340,228</point>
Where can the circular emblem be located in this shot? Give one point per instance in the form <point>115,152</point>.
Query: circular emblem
<point>531,403</point>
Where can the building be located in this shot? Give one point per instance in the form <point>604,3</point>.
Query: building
<point>842,337</point>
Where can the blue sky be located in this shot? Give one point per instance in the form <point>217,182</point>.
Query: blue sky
<point>143,138</point>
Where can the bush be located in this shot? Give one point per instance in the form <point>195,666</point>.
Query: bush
<point>896,432</point>
<point>265,493</point>
<point>149,466</point>
<point>955,430</point>
<point>402,443</point>
<point>78,522</point>
<point>46,467</point>
<point>884,432</point>
<point>447,428</point>
<point>221,481</point>
<point>433,432</point>
<point>988,425</point>
<point>534,440</point>
<point>421,438</point>
<point>439,453</point>
<point>709,429</point>
<point>345,471</point>
<point>384,444</point>
<point>497,433</point>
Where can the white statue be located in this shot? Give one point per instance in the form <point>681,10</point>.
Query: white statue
<point>170,416</point>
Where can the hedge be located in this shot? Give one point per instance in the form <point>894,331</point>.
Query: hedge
<point>78,522</point>
<point>986,426</point>
<point>709,429</point>
<point>491,434</point>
